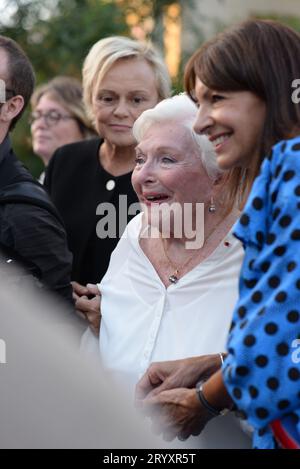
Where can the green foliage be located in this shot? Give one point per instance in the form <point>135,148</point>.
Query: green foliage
<point>56,35</point>
<point>291,21</point>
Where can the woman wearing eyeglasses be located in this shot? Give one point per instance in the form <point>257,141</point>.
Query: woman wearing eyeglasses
<point>58,117</point>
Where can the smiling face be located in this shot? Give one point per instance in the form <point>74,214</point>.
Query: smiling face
<point>168,168</point>
<point>46,139</point>
<point>234,123</point>
<point>126,90</point>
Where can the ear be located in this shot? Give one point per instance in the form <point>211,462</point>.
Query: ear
<point>11,108</point>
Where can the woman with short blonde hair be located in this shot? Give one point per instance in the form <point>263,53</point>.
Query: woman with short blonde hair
<point>121,79</point>
<point>106,52</point>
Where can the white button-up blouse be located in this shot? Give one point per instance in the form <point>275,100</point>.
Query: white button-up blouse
<point>143,321</point>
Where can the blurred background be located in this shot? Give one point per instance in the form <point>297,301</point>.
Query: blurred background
<point>57,34</point>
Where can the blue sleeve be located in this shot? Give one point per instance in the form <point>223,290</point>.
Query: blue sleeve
<point>262,371</point>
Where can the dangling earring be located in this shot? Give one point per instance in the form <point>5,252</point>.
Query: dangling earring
<point>212,207</point>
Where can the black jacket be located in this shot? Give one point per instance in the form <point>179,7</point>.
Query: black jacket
<point>77,184</point>
<point>34,233</point>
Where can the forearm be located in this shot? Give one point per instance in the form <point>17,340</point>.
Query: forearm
<point>216,393</point>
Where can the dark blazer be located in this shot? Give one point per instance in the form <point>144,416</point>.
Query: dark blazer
<point>77,184</point>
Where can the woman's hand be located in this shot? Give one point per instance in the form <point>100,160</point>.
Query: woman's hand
<point>78,290</point>
<point>177,412</point>
<point>90,308</point>
<point>184,373</point>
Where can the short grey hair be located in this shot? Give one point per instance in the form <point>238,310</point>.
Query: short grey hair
<point>182,110</point>
<point>103,55</point>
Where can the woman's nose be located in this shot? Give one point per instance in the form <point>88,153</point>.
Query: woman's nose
<point>203,121</point>
<point>121,109</point>
<point>146,174</point>
<point>39,123</point>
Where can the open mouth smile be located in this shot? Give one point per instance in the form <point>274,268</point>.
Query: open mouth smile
<point>154,198</point>
<point>219,140</point>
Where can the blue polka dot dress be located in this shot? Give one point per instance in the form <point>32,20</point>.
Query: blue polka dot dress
<point>262,370</point>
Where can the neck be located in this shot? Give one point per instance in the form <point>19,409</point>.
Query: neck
<point>3,133</point>
<point>117,159</point>
<point>215,226</point>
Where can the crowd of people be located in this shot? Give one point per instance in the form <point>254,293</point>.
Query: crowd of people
<point>171,224</point>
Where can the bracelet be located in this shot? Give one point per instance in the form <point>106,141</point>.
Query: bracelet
<point>222,358</point>
<point>213,410</point>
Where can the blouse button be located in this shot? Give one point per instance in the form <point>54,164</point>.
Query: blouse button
<point>110,185</point>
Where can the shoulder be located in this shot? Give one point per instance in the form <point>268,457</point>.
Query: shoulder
<point>25,217</point>
<point>130,235</point>
<point>126,247</point>
<point>81,151</point>
<point>286,153</point>
<point>133,228</point>
<point>275,190</point>
<point>72,160</point>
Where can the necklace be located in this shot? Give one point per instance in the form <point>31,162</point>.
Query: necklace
<point>174,277</point>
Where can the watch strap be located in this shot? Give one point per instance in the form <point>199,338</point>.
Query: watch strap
<point>213,410</point>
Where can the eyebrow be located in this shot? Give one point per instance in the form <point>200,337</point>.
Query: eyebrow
<point>157,150</point>
<point>204,95</point>
<point>138,91</point>
<point>137,148</point>
<point>48,110</point>
<point>104,90</point>
<point>165,148</point>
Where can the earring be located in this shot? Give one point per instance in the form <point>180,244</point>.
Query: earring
<point>212,207</point>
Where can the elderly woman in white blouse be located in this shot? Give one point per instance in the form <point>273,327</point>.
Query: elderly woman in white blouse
<point>172,281</point>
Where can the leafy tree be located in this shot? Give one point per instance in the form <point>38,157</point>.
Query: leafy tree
<point>56,35</point>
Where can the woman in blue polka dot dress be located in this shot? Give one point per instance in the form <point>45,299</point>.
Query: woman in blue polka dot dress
<point>249,70</point>
<point>261,372</point>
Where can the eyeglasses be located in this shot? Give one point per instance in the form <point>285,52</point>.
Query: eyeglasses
<point>51,118</point>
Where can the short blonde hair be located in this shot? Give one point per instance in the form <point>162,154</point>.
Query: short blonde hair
<point>68,92</point>
<point>106,52</point>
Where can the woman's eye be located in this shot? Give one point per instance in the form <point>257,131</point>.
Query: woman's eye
<point>137,100</point>
<point>106,99</point>
<point>139,160</point>
<point>193,98</point>
<point>167,160</point>
<point>216,98</point>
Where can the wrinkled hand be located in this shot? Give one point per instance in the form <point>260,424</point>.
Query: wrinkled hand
<point>177,412</point>
<point>79,290</point>
<point>90,308</point>
<point>184,373</point>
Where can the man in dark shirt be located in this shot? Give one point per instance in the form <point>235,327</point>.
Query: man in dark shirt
<point>34,233</point>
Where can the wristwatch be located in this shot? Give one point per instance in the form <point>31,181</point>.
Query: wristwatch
<point>213,410</point>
